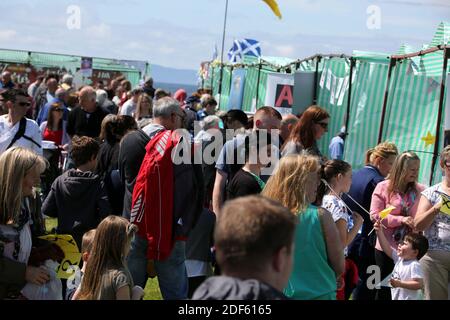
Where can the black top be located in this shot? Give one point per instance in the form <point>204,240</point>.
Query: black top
<point>80,202</point>
<point>82,123</point>
<point>107,158</point>
<point>242,184</point>
<point>229,288</point>
<point>131,153</point>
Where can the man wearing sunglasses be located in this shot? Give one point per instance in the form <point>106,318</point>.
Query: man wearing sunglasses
<point>15,128</point>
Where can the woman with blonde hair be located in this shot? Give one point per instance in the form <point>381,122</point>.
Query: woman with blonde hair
<point>107,276</point>
<point>378,164</point>
<point>401,191</point>
<point>436,226</point>
<point>144,110</point>
<point>318,256</point>
<point>20,171</point>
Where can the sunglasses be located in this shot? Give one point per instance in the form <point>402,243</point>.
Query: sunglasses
<point>57,109</point>
<point>24,104</point>
<point>323,124</point>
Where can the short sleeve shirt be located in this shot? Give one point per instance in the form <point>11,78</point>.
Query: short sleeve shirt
<point>112,281</point>
<point>7,133</point>
<point>406,270</point>
<point>337,209</point>
<point>227,155</point>
<point>438,233</point>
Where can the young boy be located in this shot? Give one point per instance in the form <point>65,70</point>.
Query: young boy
<point>407,277</point>
<point>86,248</point>
<point>78,197</point>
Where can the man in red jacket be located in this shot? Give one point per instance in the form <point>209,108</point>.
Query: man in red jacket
<point>166,245</point>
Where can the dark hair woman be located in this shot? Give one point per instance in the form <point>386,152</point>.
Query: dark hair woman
<point>310,128</point>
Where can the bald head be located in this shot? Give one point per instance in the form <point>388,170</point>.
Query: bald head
<point>87,99</point>
<point>267,118</point>
<point>61,94</point>
<point>6,76</point>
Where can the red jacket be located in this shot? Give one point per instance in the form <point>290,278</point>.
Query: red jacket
<point>152,202</point>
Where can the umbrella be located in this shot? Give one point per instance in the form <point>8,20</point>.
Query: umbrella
<point>72,255</point>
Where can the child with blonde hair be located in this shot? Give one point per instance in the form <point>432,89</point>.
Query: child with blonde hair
<point>107,276</point>
<point>318,254</point>
<point>86,247</point>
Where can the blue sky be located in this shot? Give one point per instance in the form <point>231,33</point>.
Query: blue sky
<point>181,33</point>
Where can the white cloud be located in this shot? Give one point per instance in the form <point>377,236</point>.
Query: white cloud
<point>99,31</point>
<point>430,3</point>
<point>6,35</point>
<point>285,51</point>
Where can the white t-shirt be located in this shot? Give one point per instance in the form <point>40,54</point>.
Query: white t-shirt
<point>128,108</point>
<point>406,270</point>
<point>7,133</point>
<point>438,233</point>
<point>338,211</point>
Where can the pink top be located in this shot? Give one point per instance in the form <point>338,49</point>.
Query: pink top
<point>381,200</point>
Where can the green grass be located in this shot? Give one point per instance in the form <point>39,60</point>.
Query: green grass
<point>151,290</point>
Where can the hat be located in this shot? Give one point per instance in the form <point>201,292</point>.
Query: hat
<point>193,99</point>
<point>343,132</point>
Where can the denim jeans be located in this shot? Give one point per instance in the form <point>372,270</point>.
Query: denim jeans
<point>172,275</point>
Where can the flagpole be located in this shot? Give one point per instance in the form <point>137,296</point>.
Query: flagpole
<point>223,45</point>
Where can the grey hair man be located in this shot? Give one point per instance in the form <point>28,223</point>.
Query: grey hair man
<point>287,124</point>
<point>167,114</point>
<point>187,201</point>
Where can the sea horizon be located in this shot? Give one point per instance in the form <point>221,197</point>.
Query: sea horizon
<point>173,87</point>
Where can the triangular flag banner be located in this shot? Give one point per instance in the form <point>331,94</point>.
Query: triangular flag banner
<point>274,6</point>
<point>445,208</point>
<point>384,213</point>
<point>386,281</point>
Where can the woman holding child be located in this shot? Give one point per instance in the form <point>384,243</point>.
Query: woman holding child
<point>401,192</point>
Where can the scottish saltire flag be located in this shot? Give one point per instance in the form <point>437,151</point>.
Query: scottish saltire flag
<point>234,52</point>
<point>244,47</point>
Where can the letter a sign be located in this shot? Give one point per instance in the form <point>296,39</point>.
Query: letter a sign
<point>283,96</point>
<point>280,92</point>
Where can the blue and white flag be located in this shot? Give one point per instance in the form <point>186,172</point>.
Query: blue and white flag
<point>243,47</point>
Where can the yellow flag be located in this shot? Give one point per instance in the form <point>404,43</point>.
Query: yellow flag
<point>72,255</point>
<point>384,213</point>
<point>274,6</point>
<point>445,208</point>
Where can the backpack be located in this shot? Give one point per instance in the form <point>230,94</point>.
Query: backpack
<point>167,198</point>
<point>21,134</point>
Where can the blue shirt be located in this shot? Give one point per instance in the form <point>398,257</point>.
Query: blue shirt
<point>229,154</point>
<point>9,85</point>
<point>364,182</point>
<point>201,114</point>
<point>336,148</point>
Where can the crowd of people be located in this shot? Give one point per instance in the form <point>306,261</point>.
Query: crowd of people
<point>266,216</point>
